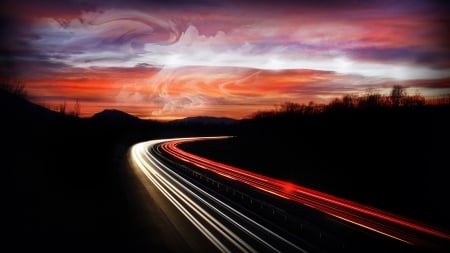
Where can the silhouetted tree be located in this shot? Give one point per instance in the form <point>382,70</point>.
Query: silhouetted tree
<point>62,108</point>
<point>290,108</point>
<point>349,101</point>
<point>15,87</point>
<point>416,100</point>
<point>397,95</point>
<point>371,99</point>
<point>76,109</point>
<point>335,104</point>
<point>438,100</point>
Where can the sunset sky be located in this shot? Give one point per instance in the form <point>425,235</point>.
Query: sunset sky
<point>173,59</point>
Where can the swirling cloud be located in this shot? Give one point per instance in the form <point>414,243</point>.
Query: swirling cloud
<point>125,38</point>
<point>218,58</point>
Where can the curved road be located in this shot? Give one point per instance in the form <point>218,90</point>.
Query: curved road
<point>226,227</point>
<point>231,230</point>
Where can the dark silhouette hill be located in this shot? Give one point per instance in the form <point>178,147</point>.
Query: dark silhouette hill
<point>204,120</point>
<point>48,178</point>
<point>68,184</point>
<point>126,127</point>
<point>114,115</point>
<point>66,181</point>
<point>18,108</point>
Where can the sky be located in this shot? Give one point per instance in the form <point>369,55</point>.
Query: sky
<point>172,59</point>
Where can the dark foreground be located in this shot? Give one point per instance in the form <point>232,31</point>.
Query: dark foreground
<point>67,187</point>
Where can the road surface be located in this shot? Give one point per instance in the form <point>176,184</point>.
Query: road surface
<point>230,227</point>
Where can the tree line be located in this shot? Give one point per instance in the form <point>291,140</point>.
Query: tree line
<point>397,98</point>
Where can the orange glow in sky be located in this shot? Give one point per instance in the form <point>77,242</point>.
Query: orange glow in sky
<point>173,59</point>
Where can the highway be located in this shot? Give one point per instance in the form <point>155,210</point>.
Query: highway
<point>226,227</point>
<point>230,227</point>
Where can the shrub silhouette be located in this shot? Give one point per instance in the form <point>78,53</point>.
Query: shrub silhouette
<point>14,86</point>
<point>398,94</point>
<point>397,98</point>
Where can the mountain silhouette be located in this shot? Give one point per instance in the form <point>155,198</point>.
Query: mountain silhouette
<point>13,107</point>
<point>63,173</point>
<point>205,120</point>
<point>113,115</point>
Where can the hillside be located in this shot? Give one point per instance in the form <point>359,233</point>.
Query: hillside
<point>66,184</point>
<point>204,120</point>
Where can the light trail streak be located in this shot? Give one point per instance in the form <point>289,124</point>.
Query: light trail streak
<point>211,216</point>
<point>380,221</point>
<point>140,160</point>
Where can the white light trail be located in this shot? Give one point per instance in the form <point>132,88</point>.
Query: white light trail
<point>201,208</point>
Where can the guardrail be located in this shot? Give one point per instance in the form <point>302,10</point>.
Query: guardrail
<point>277,213</point>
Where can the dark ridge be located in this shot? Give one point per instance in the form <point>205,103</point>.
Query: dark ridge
<point>67,184</point>
<point>18,108</point>
<point>204,120</point>
<point>113,115</point>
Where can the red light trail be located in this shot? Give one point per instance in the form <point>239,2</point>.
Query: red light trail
<point>374,219</point>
